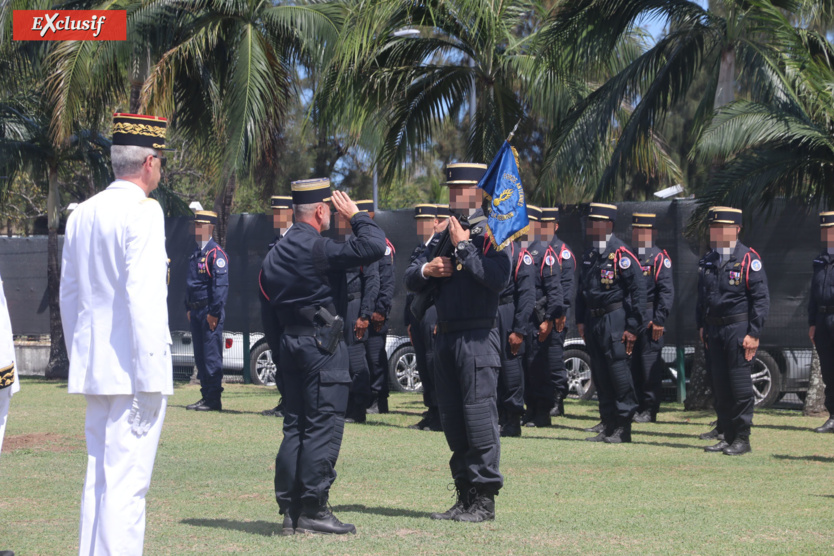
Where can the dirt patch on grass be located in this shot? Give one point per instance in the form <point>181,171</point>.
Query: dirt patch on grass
<point>43,442</point>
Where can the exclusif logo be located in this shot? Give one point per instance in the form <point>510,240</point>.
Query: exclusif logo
<point>70,25</point>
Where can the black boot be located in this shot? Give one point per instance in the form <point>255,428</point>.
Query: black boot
<point>421,423</point>
<point>620,435</point>
<point>382,404</point>
<point>717,447</point>
<point>434,423</point>
<point>599,427</point>
<point>215,405</point>
<point>463,492</point>
<point>196,404</point>
<point>740,446</point>
<point>601,434</point>
<point>714,434</point>
<point>558,408</point>
<point>322,522</point>
<point>828,426</point>
<point>529,413</point>
<point>512,426</point>
<point>542,418</point>
<point>373,409</point>
<point>482,507</point>
<point>290,522</point>
<point>643,417</point>
<point>277,411</point>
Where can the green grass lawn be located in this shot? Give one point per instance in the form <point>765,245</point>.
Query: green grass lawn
<point>212,486</point>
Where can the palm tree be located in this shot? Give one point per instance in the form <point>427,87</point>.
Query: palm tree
<point>227,76</point>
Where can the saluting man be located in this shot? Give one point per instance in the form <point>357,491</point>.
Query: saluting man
<point>610,309</point>
<point>466,349</point>
<point>647,361</point>
<point>281,222</point>
<point>733,304</point>
<point>9,382</point>
<point>378,331</point>
<point>303,276</point>
<point>205,302</point>
<point>821,314</point>
<point>114,310</point>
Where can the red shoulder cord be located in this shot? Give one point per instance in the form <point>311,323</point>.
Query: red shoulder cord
<point>260,284</point>
<point>544,260</point>
<point>207,257</point>
<point>391,246</point>
<point>749,260</point>
<point>521,255</point>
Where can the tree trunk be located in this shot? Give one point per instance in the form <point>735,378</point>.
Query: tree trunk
<point>58,366</point>
<point>815,398</point>
<point>223,208</point>
<point>725,92</point>
<point>139,72</point>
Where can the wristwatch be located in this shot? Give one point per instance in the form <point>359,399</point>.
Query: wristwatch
<point>462,245</point>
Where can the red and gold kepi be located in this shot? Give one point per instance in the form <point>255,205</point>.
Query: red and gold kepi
<point>140,131</point>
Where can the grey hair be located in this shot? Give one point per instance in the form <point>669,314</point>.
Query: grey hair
<point>305,211</point>
<point>127,160</point>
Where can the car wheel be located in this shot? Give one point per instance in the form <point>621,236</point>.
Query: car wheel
<point>578,366</point>
<point>261,366</point>
<point>402,370</point>
<point>767,379</point>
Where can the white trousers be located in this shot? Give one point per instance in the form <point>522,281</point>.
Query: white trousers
<point>119,467</point>
<point>4,412</point>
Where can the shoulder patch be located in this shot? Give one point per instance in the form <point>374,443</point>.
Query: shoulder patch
<point>565,254</point>
<point>667,263</point>
<point>221,263</point>
<point>756,265</point>
<point>528,260</point>
<point>549,260</point>
<point>387,251</point>
<point>625,263</point>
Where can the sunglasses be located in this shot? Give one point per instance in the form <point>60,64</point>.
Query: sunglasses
<point>162,160</point>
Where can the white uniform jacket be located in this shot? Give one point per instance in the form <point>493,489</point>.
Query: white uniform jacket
<point>114,295</point>
<point>8,368</point>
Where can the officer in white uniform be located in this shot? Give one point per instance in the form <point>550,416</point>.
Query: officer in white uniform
<point>115,316</point>
<point>9,383</point>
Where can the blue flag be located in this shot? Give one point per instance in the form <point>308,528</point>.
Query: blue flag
<point>507,212</point>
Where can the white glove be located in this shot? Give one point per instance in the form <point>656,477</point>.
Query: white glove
<point>145,410</point>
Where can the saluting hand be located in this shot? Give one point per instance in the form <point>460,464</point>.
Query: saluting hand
<point>456,231</point>
<point>750,346</point>
<point>629,339</point>
<point>344,205</point>
<point>439,267</point>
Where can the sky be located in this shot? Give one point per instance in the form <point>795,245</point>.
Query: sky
<point>655,26</point>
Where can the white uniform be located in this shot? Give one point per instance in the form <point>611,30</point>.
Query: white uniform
<point>115,315</point>
<point>7,363</point>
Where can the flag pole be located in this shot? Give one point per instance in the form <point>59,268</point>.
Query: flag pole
<point>510,137</point>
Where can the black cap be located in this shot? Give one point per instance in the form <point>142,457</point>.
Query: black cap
<point>826,219</point>
<point>534,213</point>
<point>442,211</point>
<point>724,215</point>
<point>281,202</point>
<point>365,205</point>
<point>308,192</point>
<point>464,173</point>
<point>643,220</point>
<point>601,211</point>
<point>205,217</point>
<point>139,131</point>
<point>425,211</point>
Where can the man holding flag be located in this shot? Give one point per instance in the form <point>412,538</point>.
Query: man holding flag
<point>469,276</point>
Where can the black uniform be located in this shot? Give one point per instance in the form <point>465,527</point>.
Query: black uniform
<point>539,391</point>
<point>467,359</point>
<point>733,302</point>
<point>646,361</point>
<point>362,291</point>
<point>207,287</point>
<point>556,352</point>
<point>514,311</point>
<point>302,274</point>
<point>610,299</point>
<point>821,315</point>
<point>272,335</point>
<point>375,346</point>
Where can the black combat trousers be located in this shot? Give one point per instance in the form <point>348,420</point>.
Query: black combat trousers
<point>511,375</point>
<point>539,376</point>
<point>422,335</point>
<point>316,385</point>
<point>360,375</point>
<point>824,342</point>
<point>610,368</point>
<point>208,353</point>
<point>377,361</point>
<point>466,374</point>
<point>647,371</point>
<point>556,359</point>
<point>731,380</point>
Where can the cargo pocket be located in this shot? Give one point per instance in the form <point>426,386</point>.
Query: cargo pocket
<point>486,376</point>
<point>617,348</point>
<point>333,390</point>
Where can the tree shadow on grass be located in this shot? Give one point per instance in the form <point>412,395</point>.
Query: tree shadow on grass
<point>387,512</point>
<point>263,528</point>
<point>636,432</point>
<point>820,459</point>
<point>666,444</point>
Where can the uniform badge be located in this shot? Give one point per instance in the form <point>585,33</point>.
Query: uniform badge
<point>625,263</point>
<point>221,263</point>
<point>565,254</point>
<point>534,252</point>
<point>646,270</point>
<point>611,256</point>
<point>606,276</point>
<point>528,260</point>
<point>667,263</point>
<point>387,251</point>
<point>756,265</point>
<point>549,260</point>
<point>477,230</point>
<point>459,267</point>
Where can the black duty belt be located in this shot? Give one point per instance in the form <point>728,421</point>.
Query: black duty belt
<point>506,300</point>
<point>825,309</point>
<point>197,304</point>
<point>724,321</point>
<point>445,327</point>
<point>605,310</point>
<point>299,330</point>
<point>354,296</point>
